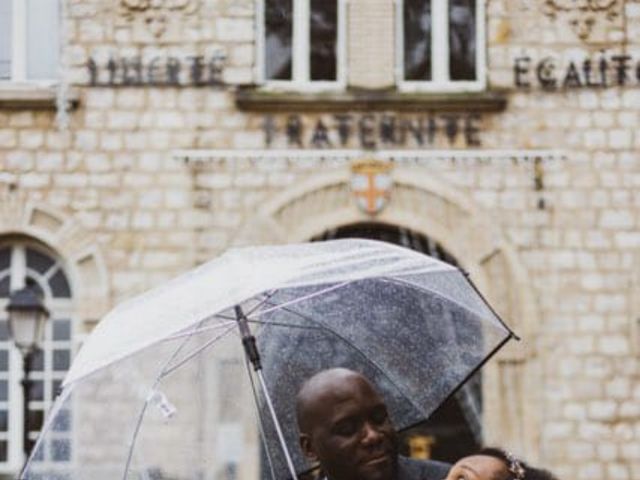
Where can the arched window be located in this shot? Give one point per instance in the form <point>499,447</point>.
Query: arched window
<point>21,262</point>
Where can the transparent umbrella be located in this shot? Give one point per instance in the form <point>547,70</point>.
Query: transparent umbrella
<point>196,379</point>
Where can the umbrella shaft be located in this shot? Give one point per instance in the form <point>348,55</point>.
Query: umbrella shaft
<point>248,340</point>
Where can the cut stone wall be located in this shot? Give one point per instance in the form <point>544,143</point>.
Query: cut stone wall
<point>115,173</point>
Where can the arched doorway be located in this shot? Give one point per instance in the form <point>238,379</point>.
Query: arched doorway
<point>455,429</point>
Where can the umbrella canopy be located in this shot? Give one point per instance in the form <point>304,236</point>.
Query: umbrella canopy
<point>412,324</point>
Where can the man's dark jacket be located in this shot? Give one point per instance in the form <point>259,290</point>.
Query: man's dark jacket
<point>411,469</point>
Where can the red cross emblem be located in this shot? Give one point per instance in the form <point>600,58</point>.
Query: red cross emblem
<point>371,185</point>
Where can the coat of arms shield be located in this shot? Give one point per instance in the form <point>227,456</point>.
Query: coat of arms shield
<point>371,184</point>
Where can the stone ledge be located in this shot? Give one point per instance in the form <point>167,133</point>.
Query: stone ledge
<point>29,97</point>
<point>257,100</point>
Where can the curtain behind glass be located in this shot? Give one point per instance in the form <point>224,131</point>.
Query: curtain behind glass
<point>278,24</point>
<point>323,39</point>
<point>462,39</point>
<point>417,39</point>
<point>5,39</point>
<point>43,21</point>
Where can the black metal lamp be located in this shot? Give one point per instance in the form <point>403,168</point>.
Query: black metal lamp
<point>27,317</point>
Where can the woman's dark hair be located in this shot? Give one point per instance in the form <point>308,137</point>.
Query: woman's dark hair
<point>518,470</point>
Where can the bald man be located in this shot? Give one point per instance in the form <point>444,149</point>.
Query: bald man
<point>345,427</point>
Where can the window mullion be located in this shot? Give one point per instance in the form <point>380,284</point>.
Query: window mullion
<point>18,268</point>
<point>301,43</point>
<point>440,41</point>
<point>19,41</point>
<point>261,32</point>
<point>481,53</point>
<point>341,42</point>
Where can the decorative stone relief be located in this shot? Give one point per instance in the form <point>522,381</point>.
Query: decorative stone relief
<point>156,15</point>
<point>584,16</point>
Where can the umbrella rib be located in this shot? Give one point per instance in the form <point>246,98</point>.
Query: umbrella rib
<point>168,371</point>
<point>198,330</point>
<point>276,306</point>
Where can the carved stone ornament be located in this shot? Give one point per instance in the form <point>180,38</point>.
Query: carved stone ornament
<point>583,15</point>
<point>155,14</point>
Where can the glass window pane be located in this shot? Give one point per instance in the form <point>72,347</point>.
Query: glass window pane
<point>61,360</point>
<point>278,19</point>
<point>3,450</point>
<point>5,253</point>
<point>4,360</point>
<point>37,455</point>
<point>56,388</point>
<point>4,330</point>
<point>417,39</point>
<point>4,390</point>
<point>324,39</point>
<point>33,283</point>
<point>462,39</point>
<point>4,420</point>
<point>36,390</point>
<point>38,261</point>
<point>5,286</point>
<point>6,32</point>
<point>36,419</point>
<point>62,421</point>
<point>60,450</point>
<point>42,39</point>
<point>60,285</point>
<point>37,361</point>
<point>61,330</point>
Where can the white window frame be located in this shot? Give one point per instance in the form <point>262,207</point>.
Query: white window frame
<point>19,47</point>
<point>60,307</point>
<point>300,71</point>
<point>440,81</point>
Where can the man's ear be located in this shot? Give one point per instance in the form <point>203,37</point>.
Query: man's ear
<point>307,447</point>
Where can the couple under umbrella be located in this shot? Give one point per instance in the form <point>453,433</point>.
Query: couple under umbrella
<point>413,328</point>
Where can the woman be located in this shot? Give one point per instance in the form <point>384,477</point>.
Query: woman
<point>495,464</point>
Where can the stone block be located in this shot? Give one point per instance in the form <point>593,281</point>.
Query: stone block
<point>620,139</point>
<point>617,345</point>
<point>590,471</point>
<point>50,162</point>
<point>86,140</point>
<point>8,138</point>
<point>31,139</point>
<point>111,141</point>
<point>234,29</point>
<point>602,410</point>
<point>99,98</point>
<point>34,180</point>
<point>617,219</point>
<point>22,119</point>
<point>122,120</point>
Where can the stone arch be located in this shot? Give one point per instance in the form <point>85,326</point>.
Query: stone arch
<point>429,206</point>
<point>62,234</point>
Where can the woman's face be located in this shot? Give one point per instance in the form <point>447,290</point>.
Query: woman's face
<point>478,467</point>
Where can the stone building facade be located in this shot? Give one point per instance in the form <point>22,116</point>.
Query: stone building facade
<point>163,140</point>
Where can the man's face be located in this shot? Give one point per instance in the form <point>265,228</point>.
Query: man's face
<point>351,434</point>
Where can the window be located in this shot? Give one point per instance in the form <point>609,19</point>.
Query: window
<point>28,40</point>
<point>302,43</point>
<point>441,45</point>
<point>19,263</point>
